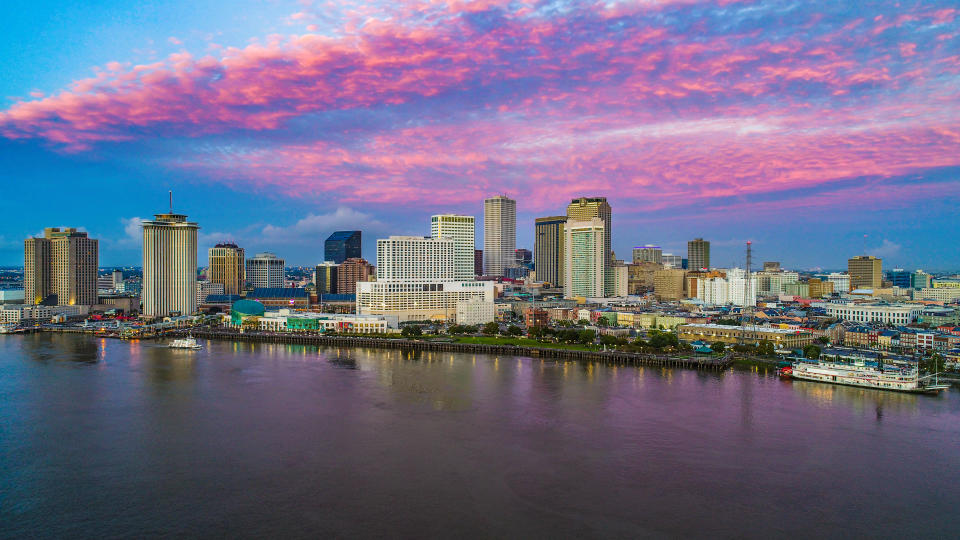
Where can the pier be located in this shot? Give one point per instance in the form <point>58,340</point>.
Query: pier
<point>706,363</point>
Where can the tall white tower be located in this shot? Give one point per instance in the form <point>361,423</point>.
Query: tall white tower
<point>169,265</point>
<point>499,235</point>
<point>460,229</point>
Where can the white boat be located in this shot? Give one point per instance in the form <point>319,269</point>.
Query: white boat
<point>864,373</point>
<point>186,343</point>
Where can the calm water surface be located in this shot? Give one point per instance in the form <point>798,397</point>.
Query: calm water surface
<point>105,438</point>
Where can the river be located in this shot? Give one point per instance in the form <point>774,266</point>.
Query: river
<point>105,438</point>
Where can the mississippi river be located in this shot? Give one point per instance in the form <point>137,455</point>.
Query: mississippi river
<point>102,438</point>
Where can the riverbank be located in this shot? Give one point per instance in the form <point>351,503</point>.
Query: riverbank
<point>703,363</point>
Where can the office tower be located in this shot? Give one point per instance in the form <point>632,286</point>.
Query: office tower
<point>866,272</point>
<point>227,267</point>
<point>460,229</point>
<point>585,258</point>
<point>325,278</point>
<point>61,268</point>
<point>585,209</point>
<point>265,271</point>
<point>415,281</point>
<point>548,249</point>
<point>351,271</point>
<point>342,245</point>
<point>669,260</point>
<point>919,280</point>
<point>648,253</point>
<point>899,277</point>
<point>169,265</point>
<point>771,266</point>
<point>499,234</point>
<point>698,254</point>
<point>668,284</point>
<point>478,262</point>
<point>841,282</point>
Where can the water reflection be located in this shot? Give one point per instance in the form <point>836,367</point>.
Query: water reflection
<point>45,348</point>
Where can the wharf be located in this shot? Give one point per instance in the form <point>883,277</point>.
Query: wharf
<point>610,357</point>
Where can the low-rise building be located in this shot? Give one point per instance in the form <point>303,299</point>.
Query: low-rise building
<point>281,297</point>
<point>286,320</point>
<point>475,311</point>
<point>782,338</point>
<point>896,314</point>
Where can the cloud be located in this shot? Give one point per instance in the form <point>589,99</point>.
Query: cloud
<point>132,232</point>
<point>316,227</point>
<point>886,249</point>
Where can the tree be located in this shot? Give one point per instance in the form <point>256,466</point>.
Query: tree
<point>514,330</point>
<point>609,341</point>
<point>811,351</point>
<point>718,347</point>
<point>586,336</point>
<point>491,328</point>
<point>411,331</point>
<point>766,348</point>
<point>535,332</point>
<point>823,340</point>
<point>602,321</point>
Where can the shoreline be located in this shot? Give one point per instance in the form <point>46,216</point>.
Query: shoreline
<point>611,357</point>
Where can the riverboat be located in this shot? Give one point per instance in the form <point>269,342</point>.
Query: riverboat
<point>864,373</point>
<point>186,343</point>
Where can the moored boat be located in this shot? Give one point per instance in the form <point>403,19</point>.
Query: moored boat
<point>864,373</point>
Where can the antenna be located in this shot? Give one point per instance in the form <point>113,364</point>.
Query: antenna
<point>171,201</point>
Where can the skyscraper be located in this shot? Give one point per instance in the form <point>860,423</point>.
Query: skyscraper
<point>866,272</point>
<point>460,229</point>
<point>584,258</point>
<point>265,271</point>
<point>478,262</point>
<point>698,254</point>
<point>62,263</point>
<point>169,265</point>
<point>548,249</point>
<point>342,245</point>
<point>587,208</point>
<point>227,267</point>
<point>499,234</point>
<point>351,271</point>
<point>648,253</point>
<point>325,278</point>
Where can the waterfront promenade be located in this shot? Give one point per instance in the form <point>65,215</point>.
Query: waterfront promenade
<point>711,363</point>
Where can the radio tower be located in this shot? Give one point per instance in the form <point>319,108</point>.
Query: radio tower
<point>747,305</point>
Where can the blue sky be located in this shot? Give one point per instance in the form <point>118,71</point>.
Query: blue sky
<point>800,126</point>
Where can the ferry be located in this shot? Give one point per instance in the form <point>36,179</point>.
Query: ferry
<point>186,343</point>
<point>864,373</point>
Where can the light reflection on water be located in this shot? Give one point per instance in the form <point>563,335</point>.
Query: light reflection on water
<point>242,439</point>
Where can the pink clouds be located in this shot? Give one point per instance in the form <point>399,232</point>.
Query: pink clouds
<point>475,96</point>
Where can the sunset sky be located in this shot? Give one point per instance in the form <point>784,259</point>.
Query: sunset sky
<point>799,125</point>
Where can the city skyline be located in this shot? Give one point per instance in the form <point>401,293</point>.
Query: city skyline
<point>801,127</point>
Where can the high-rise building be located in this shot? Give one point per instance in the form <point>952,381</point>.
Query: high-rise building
<point>416,258</point>
<point>478,262</point>
<point>460,229</point>
<point>920,280</point>
<point>524,257</point>
<point>206,288</point>
<point>669,260</point>
<point>352,271</point>
<point>771,266</point>
<point>499,234</point>
<point>648,253</point>
<point>265,271</point>
<point>585,209</point>
<point>415,281</point>
<point>342,245</point>
<point>325,278</point>
<point>668,284</point>
<point>227,267</point>
<point>548,249</point>
<point>698,254</point>
<point>840,280</point>
<point>169,266</point>
<point>584,258</point>
<point>866,272</point>
<point>61,265</point>
<point>899,277</point>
